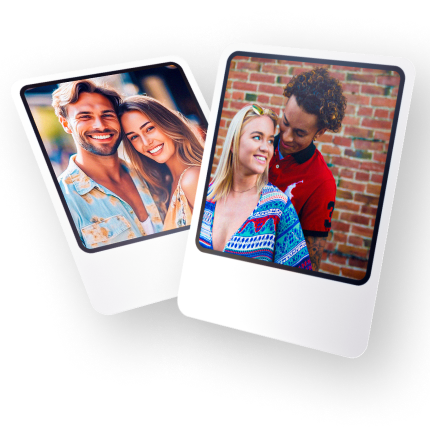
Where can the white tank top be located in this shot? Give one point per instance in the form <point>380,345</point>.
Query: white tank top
<point>148,226</point>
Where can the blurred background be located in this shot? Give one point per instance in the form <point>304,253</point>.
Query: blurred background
<point>164,83</point>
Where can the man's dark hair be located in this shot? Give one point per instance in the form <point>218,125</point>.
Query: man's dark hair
<point>319,94</point>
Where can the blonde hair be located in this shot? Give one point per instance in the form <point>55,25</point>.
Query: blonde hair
<point>188,144</point>
<point>229,161</point>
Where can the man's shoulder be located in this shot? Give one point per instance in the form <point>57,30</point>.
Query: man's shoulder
<point>322,170</point>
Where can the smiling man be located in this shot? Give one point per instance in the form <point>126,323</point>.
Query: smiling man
<point>315,103</point>
<point>108,202</point>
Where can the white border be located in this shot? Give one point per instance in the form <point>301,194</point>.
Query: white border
<point>129,276</point>
<point>327,315</point>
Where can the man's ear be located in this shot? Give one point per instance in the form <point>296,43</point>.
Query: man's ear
<point>65,124</point>
<point>320,132</point>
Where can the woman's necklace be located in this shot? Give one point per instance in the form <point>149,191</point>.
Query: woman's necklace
<point>244,191</point>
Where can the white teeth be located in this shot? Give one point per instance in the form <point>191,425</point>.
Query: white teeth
<point>100,136</point>
<point>261,159</point>
<point>156,149</point>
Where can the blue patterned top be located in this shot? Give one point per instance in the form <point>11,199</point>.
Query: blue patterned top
<point>271,233</point>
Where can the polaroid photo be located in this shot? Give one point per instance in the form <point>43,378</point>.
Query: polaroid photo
<point>295,194</point>
<point>120,150</point>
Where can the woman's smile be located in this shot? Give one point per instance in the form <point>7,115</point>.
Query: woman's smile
<point>146,137</point>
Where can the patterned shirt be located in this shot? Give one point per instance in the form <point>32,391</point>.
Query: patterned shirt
<point>179,213</point>
<point>271,233</point>
<point>100,216</point>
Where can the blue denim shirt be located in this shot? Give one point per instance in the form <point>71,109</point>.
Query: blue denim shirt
<point>101,217</point>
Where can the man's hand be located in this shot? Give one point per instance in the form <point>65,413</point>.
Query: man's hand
<point>315,248</point>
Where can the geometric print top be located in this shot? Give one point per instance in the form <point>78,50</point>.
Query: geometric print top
<point>271,233</point>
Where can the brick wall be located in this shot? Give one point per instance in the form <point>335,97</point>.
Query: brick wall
<point>356,155</point>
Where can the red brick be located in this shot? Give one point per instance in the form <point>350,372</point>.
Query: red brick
<point>344,205</point>
<point>384,102</point>
<point>361,176</point>
<point>357,263</point>
<point>376,124</point>
<point>357,99</point>
<point>341,194</point>
<point>226,104</point>
<point>235,75</point>
<point>384,136</point>
<point>238,104</point>
<point>372,90</point>
<point>329,246</point>
<point>335,215</point>
<point>368,145</point>
<point>366,78</point>
<point>349,87</point>
<point>348,185</point>
<point>373,189</point>
<point>353,274</point>
<point>228,114</point>
<point>245,86</point>
<point>346,173</point>
<point>326,137</point>
<point>362,231</point>
<point>368,200</point>
<point>248,66</point>
<point>372,166</point>
<point>380,157</point>
<point>355,218</point>
<point>365,111</point>
<point>238,95</point>
<point>240,57</point>
<point>346,162</point>
<point>298,70</point>
<point>374,71</point>
<point>262,78</point>
<point>328,149</point>
<point>222,123</point>
<point>347,68</point>
<point>263,99</point>
<point>377,178</point>
<point>340,226</point>
<point>353,251</point>
<point>276,90</point>
<point>389,80</point>
<point>351,121</point>
<point>227,95</point>
<point>382,113</point>
<point>357,132</point>
<point>283,79</point>
<point>339,237</point>
<point>222,132</point>
<point>350,110</point>
<point>341,260</point>
<point>295,63</point>
<point>340,140</point>
<point>229,84</point>
<point>263,60</point>
<point>365,209</point>
<point>275,68</point>
<point>328,268</point>
<point>338,75</point>
<point>355,240</point>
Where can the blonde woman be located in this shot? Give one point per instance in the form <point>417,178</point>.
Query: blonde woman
<point>166,152</point>
<point>244,214</point>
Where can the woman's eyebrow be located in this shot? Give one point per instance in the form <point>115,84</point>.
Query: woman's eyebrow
<point>140,128</point>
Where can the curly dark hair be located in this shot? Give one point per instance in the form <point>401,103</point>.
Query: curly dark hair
<point>319,94</point>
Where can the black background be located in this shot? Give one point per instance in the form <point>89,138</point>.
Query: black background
<point>64,361</point>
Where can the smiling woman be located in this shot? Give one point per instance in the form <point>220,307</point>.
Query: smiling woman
<point>167,153</point>
<point>244,214</point>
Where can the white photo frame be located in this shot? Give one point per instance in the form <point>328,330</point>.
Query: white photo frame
<point>328,312</point>
<point>131,273</point>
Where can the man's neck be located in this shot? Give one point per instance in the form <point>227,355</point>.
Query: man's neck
<point>99,168</point>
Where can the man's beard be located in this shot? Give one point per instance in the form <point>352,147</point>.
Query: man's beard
<point>97,150</point>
